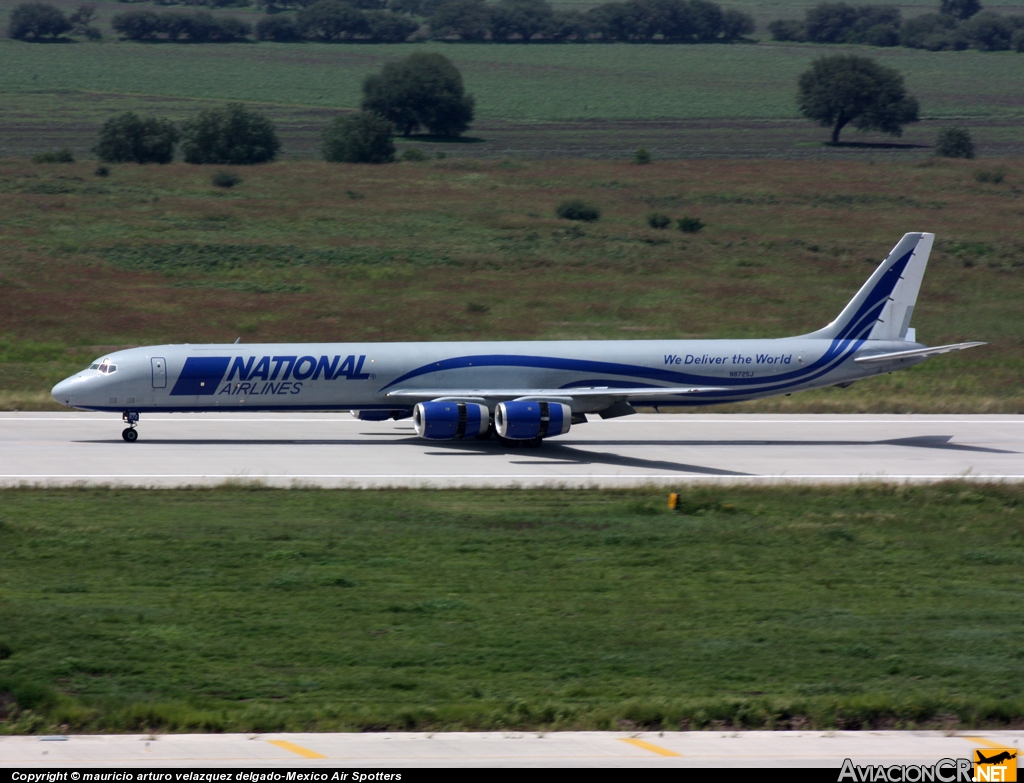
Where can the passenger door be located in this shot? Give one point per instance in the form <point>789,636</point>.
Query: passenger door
<point>159,373</point>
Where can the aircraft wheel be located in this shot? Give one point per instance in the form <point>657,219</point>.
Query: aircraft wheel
<point>130,434</point>
<point>534,443</point>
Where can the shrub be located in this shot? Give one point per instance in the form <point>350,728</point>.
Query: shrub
<point>994,176</point>
<point>389,27</point>
<point>5,651</point>
<point>989,32</point>
<point>954,143</point>
<point>1018,40</point>
<point>657,220</point>
<point>278,28</point>
<point>33,21</point>
<point>129,138</point>
<point>60,156</point>
<point>137,25</point>
<point>226,179</point>
<point>81,22</point>
<point>960,9</point>
<point>736,24</point>
<point>522,18</point>
<point>567,25</point>
<point>934,32</point>
<point>787,30</point>
<point>331,20</point>
<point>423,89</point>
<point>413,155</point>
<point>470,20</point>
<point>229,135</point>
<point>578,210</point>
<point>690,225</point>
<point>102,171</point>
<point>359,138</point>
<point>641,156</point>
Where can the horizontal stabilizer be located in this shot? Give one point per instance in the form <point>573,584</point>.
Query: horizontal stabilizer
<point>935,351</point>
<point>515,394</point>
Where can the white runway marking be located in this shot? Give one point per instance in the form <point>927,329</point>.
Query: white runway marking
<point>335,450</point>
<point>504,749</point>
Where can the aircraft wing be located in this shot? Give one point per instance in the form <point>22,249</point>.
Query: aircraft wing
<point>550,394</point>
<point>887,357</point>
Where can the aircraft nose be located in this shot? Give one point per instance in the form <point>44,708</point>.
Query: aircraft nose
<point>62,391</point>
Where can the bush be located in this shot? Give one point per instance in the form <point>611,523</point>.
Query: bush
<point>389,27</point>
<point>331,20</point>
<point>522,18</point>
<point>359,138</point>
<point>736,24</point>
<point>989,32</point>
<point>689,225</point>
<point>5,651</point>
<point>641,157</point>
<point>138,25</point>
<point>102,171</point>
<point>229,135</point>
<point>278,28</point>
<point>423,89</point>
<point>960,9</point>
<point>226,179</point>
<point>197,26</point>
<point>81,22</point>
<point>470,20</point>
<point>413,155</point>
<point>578,210</point>
<point>954,143</point>
<point>60,156</point>
<point>787,30</point>
<point>994,176</point>
<point>34,21</point>
<point>657,220</point>
<point>934,32</point>
<point>129,138</point>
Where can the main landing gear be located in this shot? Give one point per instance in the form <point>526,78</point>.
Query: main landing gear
<point>129,433</point>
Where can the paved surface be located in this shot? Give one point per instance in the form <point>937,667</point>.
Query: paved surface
<point>649,749</point>
<point>335,450</point>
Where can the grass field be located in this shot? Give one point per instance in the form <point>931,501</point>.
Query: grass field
<point>258,610</point>
<point>458,250</point>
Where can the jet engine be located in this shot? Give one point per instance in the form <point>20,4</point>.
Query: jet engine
<point>529,419</point>
<point>450,420</point>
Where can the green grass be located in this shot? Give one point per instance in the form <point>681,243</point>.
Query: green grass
<point>245,609</point>
<point>524,83</point>
<point>463,250</point>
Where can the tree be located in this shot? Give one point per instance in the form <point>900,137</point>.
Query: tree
<point>736,24</point>
<point>843,89</point>
<point>129,138</point>
<point>389,27</point>
<point>331,20</point>
<point>34,21</point>
<point>229,135</point>
<point>278,28</point>
<point>423,89</point>
<point>933,32</point>
<point>524,18</point>
<point>137,25</point>
<point>960,9</point>
<point>989,31</point>
<point>359,138</point>
<point>954,143</point>
<point>81,21</point>
<point>468,19</point>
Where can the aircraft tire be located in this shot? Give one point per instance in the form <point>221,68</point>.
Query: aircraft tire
<point>130,434</point>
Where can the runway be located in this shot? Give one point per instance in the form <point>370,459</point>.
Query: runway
<point>504,749</point>
<point>335,450</point>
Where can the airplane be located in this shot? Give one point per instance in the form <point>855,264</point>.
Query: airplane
<point>522,392</point>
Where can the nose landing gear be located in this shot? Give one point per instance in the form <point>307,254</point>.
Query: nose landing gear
<point>129,433</point>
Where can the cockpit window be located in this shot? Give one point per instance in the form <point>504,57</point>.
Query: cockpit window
<point>111,368</point>
<point>94,366</point>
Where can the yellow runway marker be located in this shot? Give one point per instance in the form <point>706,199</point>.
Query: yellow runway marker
<point>304,752</point>
<point>648,746</point>
<point>985,742</point>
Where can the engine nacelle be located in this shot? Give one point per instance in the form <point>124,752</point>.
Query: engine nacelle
<point>529,419</point>
<point>450,420</point>
<point>377,415</point>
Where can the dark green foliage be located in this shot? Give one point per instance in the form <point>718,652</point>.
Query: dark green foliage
<point>960,9</point>
<point>843,89</point>
<point>522,19</point>
<point>470,20</point>
<point>137,24</point>
<point>578,210</point>
<point>934,32</point>
<point>877,25</point>
<point>690,225</point>
<point>989,32</point>
<point>331,20</point>
<point>102,171</point>
<point>389,27</point>
<point>129,138</point>
<point>421,90</point>
<point>63,155</point>
<point>359,138</point>
<point>991,176</point>
<point>658,220</point>
<point>413,155</point>
<point>5,651</point>
<point>278,28</point>
<point>954,143</point>
<point>737,24</point>
<point>226,179</point>
<point>567,26</point>
<point>641,156</point>
<point>35,21</point>
<point>787,30</point>
<point>195,26</point>
<point>229,135</point>
<point>81,21</point>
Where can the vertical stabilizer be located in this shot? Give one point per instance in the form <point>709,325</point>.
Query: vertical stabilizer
<point>882,308</point>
